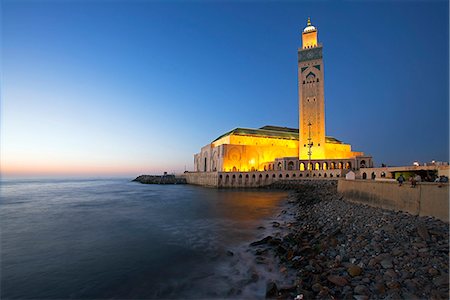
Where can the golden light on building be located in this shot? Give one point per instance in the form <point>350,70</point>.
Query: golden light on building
<point>281,148</point>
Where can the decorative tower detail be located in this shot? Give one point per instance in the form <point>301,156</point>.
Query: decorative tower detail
<point>311,96</point>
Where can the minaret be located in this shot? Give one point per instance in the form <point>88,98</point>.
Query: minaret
<point>311,96</point>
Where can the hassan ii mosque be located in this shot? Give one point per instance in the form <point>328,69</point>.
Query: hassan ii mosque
<point>272,148</point>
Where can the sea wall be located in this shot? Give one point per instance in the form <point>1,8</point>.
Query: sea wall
<point>257,178</point>
<point>160,179</point>
<point>209,179</point>
<point>426,199</point>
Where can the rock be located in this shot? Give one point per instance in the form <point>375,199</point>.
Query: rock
<point>386,263</point>
<point>391,273</point>
<point>379,288</point>
<point>393,285</point>
<point>422,231</point>
<point>441,280</point>
<point>276,224</point>
<point>230,253</point>
<point>397,252</point>
<point>316,287</point>
<point>361,290</point>
<point>263,241</point>
<point>271,290</point>
<point>337,280</point>
<point>433,272</point>
<point>372,262</point>
<point>354,270</point>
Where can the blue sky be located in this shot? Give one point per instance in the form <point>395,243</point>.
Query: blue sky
<point>128,87</point>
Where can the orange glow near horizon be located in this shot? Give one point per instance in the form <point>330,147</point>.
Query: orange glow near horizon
<point>79,169</point>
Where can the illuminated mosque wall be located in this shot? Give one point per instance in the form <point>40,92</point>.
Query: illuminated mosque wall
<point>281,148</point>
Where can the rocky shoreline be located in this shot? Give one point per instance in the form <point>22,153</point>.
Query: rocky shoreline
<point>328,248</point>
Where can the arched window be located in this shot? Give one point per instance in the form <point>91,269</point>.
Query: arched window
<point>253,176</point>
<point>293,175</point>
<point>331,174</point>
<point>273,176</point>
<point>279,165</point>
<point>364,176</point>
<point>260,176</point>
<point>317,166</point>
<point>383,175</point>
<point>325,166</point>
<point>205,165</point>
<point>234,176</point>
<point>362,164</point>
<point>348,165</point>
<point>373,175</point>
<point>287,175</point>
<point>301,175</point>
<point>246,176</point>
<point>220,176</point>
<point>310,166</point>
<point>324,175</point>
<point>234,169</point>
<point>291,165</point>
<point>240,176</point>
<point>302,166</point>
<point>333,166</point>
<point>281,176</point>
<point>267,175</point>
<point>341,165</point>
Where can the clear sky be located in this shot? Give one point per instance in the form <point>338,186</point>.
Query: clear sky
<point>132,87</point>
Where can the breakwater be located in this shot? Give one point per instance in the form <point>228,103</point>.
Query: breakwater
<point>328,247</point>
<point>160,179</point>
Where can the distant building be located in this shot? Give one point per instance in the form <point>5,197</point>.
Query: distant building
<point>281,148</point>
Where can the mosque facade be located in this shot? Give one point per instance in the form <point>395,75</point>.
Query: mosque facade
<point>273,148</point>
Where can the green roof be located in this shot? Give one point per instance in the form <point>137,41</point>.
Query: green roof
<point>272,131</point>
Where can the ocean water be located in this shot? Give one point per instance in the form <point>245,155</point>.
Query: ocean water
<point>112,238</point>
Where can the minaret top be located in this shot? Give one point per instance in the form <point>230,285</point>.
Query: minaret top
<point>309,36</point>
<point>309,26</point>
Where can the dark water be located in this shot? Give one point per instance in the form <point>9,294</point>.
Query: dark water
<point>111,238</point>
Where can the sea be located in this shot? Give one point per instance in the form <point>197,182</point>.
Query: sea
<point>97,238</point>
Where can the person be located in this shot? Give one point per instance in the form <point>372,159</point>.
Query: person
<point>418,178</point>
<point>413,181</point>
<point>400,179</point>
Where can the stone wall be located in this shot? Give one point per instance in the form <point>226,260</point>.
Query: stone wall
<point>202,178</point>
<point>257,178</point>
<point>426,199</point>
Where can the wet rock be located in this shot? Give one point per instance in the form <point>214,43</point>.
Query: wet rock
<point>271,290</point>
<point>262,242</point>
